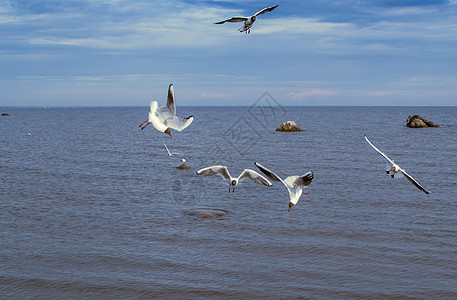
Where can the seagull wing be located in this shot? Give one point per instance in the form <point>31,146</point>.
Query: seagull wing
<point>179,123</point>
<point>164,114</point>
<point>254,176</point>
<point>379,151</point>
<point>304,180</point>
<point>270,174</point>
<point>233,20</point>
<point>413,181</point>
<point>266,9</point>
<point>215,170</point>
<point>153,106</point>
<point>168,151</point>
<point>171,100</point>
<point>168,111</point>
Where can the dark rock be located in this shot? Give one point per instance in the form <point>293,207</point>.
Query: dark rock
<point>206,213</point>
<point>183,167</point>
<point>4,115</point>
<point>289,126</point>
<point>418,121</point>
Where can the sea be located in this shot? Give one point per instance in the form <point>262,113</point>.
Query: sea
<point>92,207</point>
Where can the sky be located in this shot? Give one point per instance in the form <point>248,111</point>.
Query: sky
<point>305,52</point>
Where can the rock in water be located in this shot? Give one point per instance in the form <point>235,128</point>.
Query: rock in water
<point>289,126</point>
<point>206,212</point>
<point>5,114</point>
<point>183,167</point>
<point>418,121</point>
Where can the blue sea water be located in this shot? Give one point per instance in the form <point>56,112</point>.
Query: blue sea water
<point>91,206</point>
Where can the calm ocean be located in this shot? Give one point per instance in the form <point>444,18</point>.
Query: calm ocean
<point>92,207</point>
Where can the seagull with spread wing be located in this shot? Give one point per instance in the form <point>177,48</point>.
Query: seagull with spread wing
<point>248,21</point>
<point>224,173</point>
<point>294,184</point>
<point>395,171</point>
<point>168,151</point>
<point>166,114</point>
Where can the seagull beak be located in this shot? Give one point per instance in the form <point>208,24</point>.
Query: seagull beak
<point>290,206</point>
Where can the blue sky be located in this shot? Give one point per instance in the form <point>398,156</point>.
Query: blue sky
<point>315,52</point>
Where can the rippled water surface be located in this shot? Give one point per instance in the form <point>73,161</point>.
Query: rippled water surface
<point>91,206</point>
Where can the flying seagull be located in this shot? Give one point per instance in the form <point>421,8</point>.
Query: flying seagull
<point>168,151</point>
<point>294,184</point>
<point>224,173</point>
<point>395,171</point>
<point>248,21</point>
<point>158,116</point>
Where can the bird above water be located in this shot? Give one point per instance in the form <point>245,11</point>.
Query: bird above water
<point>294,184</point>
<point>159,116</point>
<point>248,21</point>
<point>224,173</point>
<point>395,171</point>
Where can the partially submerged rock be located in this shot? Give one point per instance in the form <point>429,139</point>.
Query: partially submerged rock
<point>288,126</point>
<point>5,114</point>
<point>418,121</point>
<point>206,212</point>
<point>183,167</point>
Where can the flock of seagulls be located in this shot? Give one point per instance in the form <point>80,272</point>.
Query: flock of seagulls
<point>294,184</point>
<point>164,118</point>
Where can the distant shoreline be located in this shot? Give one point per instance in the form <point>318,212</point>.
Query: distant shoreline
<point>213,106</point>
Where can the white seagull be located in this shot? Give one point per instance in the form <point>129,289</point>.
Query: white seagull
<point>224,173</point>
<point>395,171</point>
<point>168,151</point>
<point>294,184</point>
<point>158,116</point>
<point>248,21</point>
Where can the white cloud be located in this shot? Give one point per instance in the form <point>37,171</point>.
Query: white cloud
<point>394,52</point>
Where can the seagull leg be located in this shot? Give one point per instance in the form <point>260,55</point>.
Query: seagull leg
<point>305,193</point>
<point>145,125</point>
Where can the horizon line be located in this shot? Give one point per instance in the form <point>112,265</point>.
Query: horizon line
<point>142,106</point>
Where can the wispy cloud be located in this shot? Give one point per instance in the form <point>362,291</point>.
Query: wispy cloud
<point>328,49</point>
<point>299,96</point>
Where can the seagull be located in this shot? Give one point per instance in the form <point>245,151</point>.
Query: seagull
<point>395,171</point>
<point>224,173</point>
<point>169,153</point>
<point>167,113</point>
<point>248,21</point>
<point>294,184</point>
